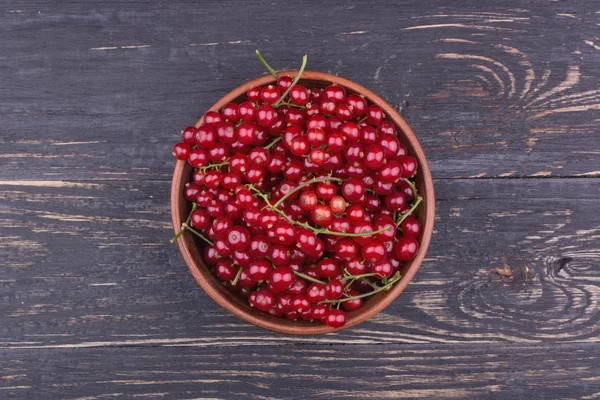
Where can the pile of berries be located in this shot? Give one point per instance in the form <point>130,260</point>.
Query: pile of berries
<point>303,198</point>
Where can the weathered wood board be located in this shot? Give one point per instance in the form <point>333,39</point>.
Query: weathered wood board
<point>504,97</point>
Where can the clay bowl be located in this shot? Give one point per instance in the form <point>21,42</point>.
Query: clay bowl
<point>191,248</point>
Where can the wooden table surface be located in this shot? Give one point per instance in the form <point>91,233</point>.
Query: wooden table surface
<point>504,98</point>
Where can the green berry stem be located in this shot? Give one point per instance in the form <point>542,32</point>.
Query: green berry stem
<point>267,147</point>
<point>387,286</point>
<point>215,166</point>
<point>306,225</point>
<point>303,185</point>
<point>355,277</point>
<point>413,208</point>
<point>186,223</point>
<point>195,232</point>
<point>412,186</point>
<point>287,103</point>
<point>237,277</point>
<point>296,79</point>
<point>309,278</point>
<point>267,66</point>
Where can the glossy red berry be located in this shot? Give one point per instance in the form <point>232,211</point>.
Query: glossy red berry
<point>282,278</point>
<point>229,112</point>
<point>188,135</point>
<point>353,190</point>
<point>334,93</point>
<point>254,94</point>
<point>247,111</point>
<point>212,118</point>
<point>322,215</point>
<point>316,292</point>
<point>336,318</point>
<point>374,156</point>
<point>409,166</point>
<point>374,114</point>
<point>395,201</point>
<point>264,300</point>
<point>266,115</point>
<point>411,227</point>
<point>406,248</point>
<point>357,104</point>
<point>259,270</point>
<point>391,172</point>
<point>225,270</point>
<point>181,151</point>
<point>284,82</point>
<point>373,251</point>
<point>299,95</point>
<point>270,94</point>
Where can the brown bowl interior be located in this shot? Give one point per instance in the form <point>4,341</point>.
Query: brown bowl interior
<point>191,247</point>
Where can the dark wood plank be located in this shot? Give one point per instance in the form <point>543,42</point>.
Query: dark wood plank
<point>304,372</point>
<point>92,263</point>
<point>100,91</point>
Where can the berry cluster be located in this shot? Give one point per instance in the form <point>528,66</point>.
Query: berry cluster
<point>303,197</point>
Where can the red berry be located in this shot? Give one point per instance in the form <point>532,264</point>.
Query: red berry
<point>357,104</point>
<point>188,135</point>
<point>343,112</point>
<point>308,200</point>
<point>391,172</point>
<point>254,94</point>
<point>322,215</point>
<point>238,238</point>
<point>329,267</point>
<point>264,300</point>
<point>395,201</point>
<point>270,94</point>
<point>346,249</point>
<point>327,107</point>
<point>282,278</point>
<point>266,115</point>
<point>259,270</point>
<point>382,268</point>
<point>374,114</point>
<point>336,318</point>
<point>181,151</point>
<point>247,111</point>
<point>337,204</point>
<point>390,143</point>
<point>374,156</point>
<point>299,95</point>
<point>200,220</point>
<point>334,93</point>
<point>284,82</point>
<point>212,118</point>
<point>198,158</point>
<point>225,270</point>
<point>335,142</point>
<point>230,112</point>
<point>353,190</point>
<point>409,166</point>
<point>334,289</point>
<point>316,292</point>
<point>353,304</point>
<point>373,251</point>
<point>315,137</point>
<point>406,248</point>
<point>411,227</point>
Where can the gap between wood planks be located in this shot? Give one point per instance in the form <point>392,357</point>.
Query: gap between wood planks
<point>97,183</point>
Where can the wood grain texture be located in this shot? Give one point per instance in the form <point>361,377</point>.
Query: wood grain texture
<point>489,92</point>
<point>504,98</point>
<point>305,372</point>
<point>89,265</point>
